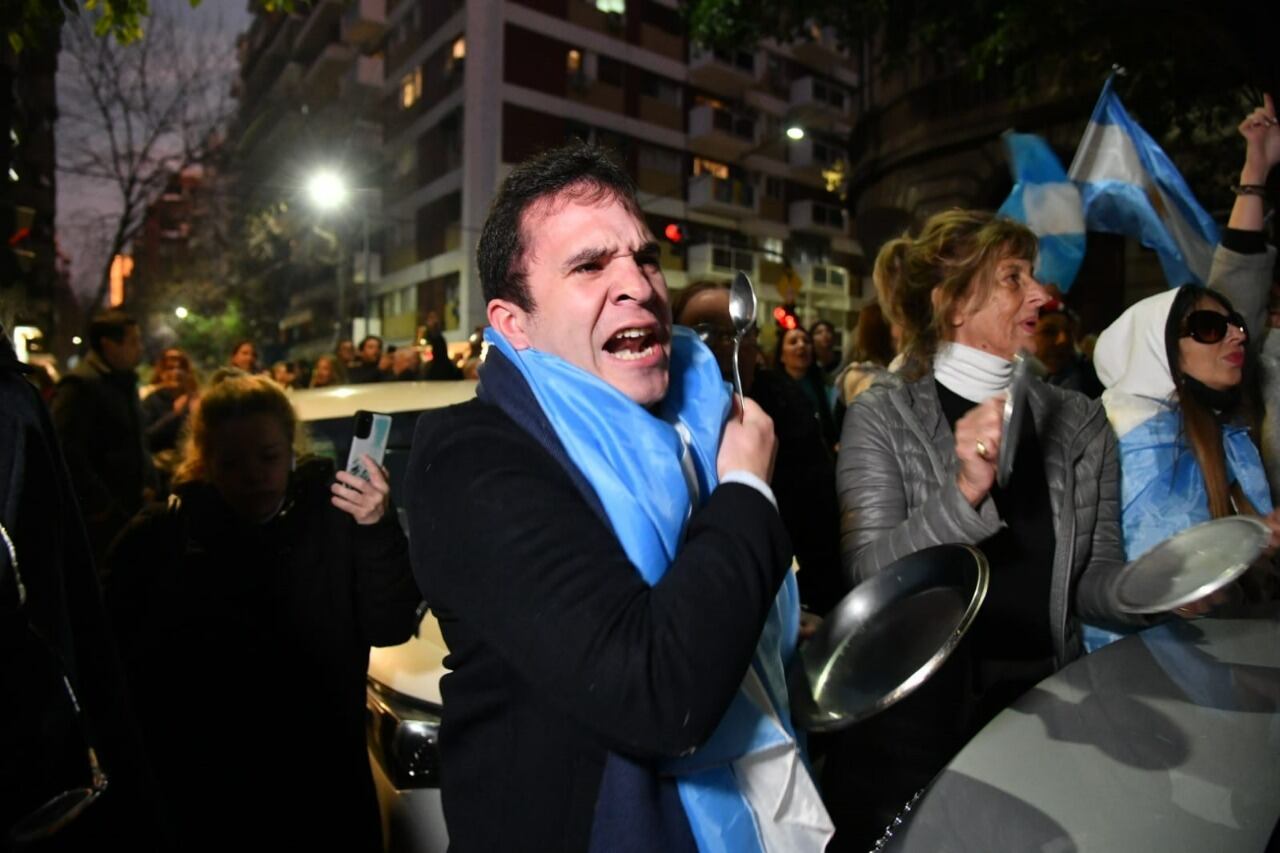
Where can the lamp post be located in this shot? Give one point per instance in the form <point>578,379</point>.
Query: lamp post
<point>329,191</point>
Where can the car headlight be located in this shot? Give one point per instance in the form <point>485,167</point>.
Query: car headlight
<point>403,736</point>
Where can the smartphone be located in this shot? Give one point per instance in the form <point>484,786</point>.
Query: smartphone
<point>369,436</point>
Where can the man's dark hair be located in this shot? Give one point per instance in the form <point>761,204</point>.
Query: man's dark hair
<point>366,340</point>
<point>582,172</point>
<point>113,324</point>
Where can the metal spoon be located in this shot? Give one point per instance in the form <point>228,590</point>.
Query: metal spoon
<point>742,311</point>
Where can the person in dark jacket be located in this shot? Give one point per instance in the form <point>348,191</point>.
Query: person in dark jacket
<point>368,367</point>
<point>245,609</point>
<point>804,477</point>
<point>53,626</point>
<point>99,422</point>
<point>592,668</point>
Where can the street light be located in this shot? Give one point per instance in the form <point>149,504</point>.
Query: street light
<point>329,191</point>
<point>795,133</point>
<point>181,312</point>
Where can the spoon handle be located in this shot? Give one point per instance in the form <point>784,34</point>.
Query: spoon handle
<point>737,381</point>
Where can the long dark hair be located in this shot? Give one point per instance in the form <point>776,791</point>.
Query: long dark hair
<point>1202,426</point>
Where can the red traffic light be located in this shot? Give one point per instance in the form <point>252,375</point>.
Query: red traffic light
<point>673,232</point>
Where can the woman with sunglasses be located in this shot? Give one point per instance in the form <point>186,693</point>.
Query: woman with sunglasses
<point>1182,400</point>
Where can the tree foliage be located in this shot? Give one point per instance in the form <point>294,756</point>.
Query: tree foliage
<point>124,21</point>
<point>1193,68</point>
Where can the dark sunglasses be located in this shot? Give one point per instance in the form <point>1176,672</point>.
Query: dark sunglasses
<point>1210,327</point>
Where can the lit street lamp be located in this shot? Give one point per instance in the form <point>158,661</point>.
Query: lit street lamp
<point>181,312</point>
<point>329,191</point>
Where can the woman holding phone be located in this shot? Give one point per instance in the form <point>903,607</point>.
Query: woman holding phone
<point>245,609</point>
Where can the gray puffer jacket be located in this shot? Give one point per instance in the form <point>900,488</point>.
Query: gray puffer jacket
<point>898,494</point>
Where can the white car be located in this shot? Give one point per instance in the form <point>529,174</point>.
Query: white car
<point>403,695</point>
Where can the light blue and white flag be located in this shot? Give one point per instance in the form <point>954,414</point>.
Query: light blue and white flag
<point>1047,203</point>
<point>1130,186</point>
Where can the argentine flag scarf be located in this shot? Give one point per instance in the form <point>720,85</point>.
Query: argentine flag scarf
<point>746,789</point>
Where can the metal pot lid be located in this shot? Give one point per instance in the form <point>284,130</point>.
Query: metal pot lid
<point>1191,564</point>
<point>887,636</point>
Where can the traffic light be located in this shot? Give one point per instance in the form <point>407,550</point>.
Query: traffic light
<point>674,232</point>
<point>785,317</point>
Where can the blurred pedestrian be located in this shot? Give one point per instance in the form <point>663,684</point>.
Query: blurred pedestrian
<point>1055,347</point>
<point>244,356</point>
<point>406,365</point>
<point>285,374</point>
<point>826,355</point>
<point>346,353</point>
<point>367,367</point>
<point>325,373</point>
<point>440,367</point>
<point>258,584</point>
<point>793,357</point>
<point>97,414</point>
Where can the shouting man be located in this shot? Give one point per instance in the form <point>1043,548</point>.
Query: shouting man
<point>613,585</point>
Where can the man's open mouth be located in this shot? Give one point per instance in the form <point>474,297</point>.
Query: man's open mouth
<point>632,344</point>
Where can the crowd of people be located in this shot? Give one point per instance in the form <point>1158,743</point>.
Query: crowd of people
<point>607,535</point>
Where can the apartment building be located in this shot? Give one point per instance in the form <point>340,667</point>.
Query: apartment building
<point>471,87</point>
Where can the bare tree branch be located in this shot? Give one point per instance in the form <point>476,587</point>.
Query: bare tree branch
<point>138,114</point>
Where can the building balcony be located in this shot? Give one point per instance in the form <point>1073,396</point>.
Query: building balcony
<point>327,68</point>
<point>819,47</point>
<point>818,218</point>
<point>827,282</point>
<point>364,22</point>
<point>719,133</point>
<point>707,260</point>
<point>318,29</point>
<point>727,72</point>
<point>722,197</point>
<point>815,99</point>
<point>363,81</point>
<point>810,156</point>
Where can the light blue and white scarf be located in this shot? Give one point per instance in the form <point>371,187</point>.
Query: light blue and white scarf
<point>746,789</point>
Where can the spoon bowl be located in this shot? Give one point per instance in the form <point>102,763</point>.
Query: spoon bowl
<point>742,311</point>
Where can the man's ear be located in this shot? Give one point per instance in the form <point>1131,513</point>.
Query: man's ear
<point>511,320</point>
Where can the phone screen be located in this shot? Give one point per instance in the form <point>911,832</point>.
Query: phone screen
<point>369,436</point>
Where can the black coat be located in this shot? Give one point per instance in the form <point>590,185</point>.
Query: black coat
<point>42,749</point>
<point>99,422</point>
<point>247,648</point>
<point>562,660</point>
<point>804,482</point>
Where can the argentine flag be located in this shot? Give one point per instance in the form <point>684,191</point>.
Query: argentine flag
<point>1130,186</point>
<point>1047,203</point>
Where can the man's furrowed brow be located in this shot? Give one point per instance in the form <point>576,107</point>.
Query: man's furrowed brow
<point>591,254</point>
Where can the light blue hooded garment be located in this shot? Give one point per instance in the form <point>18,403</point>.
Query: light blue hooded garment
<point>1162,490</point>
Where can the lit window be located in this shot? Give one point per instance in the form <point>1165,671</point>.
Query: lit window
<point>618,6</point>
<point>410,88</point>
<point>573,62</point>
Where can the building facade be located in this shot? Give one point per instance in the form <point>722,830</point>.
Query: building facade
<point>471,87</point>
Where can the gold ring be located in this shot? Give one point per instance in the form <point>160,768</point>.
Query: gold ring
<point>981,448</point>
